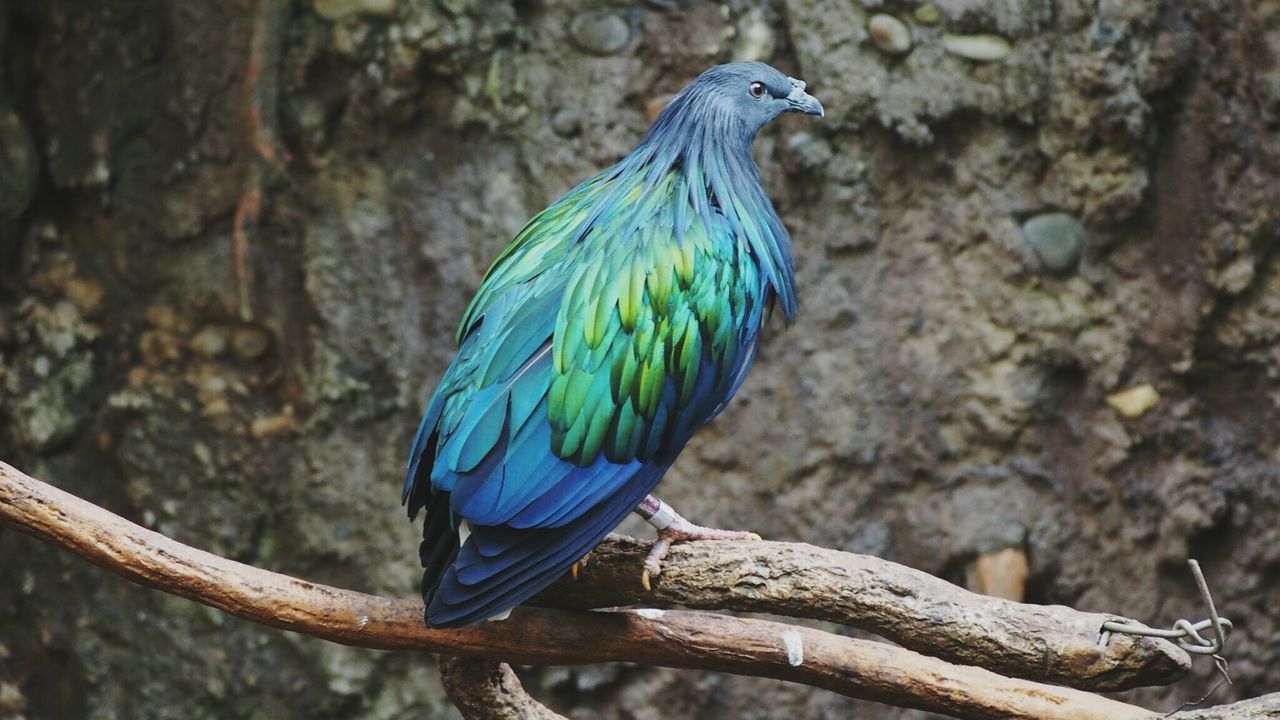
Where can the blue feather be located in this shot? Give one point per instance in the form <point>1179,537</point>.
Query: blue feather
<point>479,431</point>
<point>597,479</point>
<point>425,430</point>
<point>557,548</point>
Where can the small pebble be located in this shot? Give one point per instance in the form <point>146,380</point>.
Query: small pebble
<point>1057,239</point>
<point>283,422</point>
<point>210,342</point>
<point>982,48</point>
<point>566,123</point>
<point>1135,401</point>
<point>889,34</point>
<point>928,14</point>
<point>250,342</point>
<point>601,33</point>
<point>203,455</point>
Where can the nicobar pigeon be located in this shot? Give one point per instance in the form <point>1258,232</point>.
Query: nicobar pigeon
<point>619,321</point>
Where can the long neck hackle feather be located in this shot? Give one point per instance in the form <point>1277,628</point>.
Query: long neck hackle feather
<point>711,147</point>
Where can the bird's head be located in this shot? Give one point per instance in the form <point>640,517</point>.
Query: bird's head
<point>743,96</point>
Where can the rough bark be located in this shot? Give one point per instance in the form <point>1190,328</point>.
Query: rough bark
<point>489,690</point>
<point>916,610</point>
<point>348,168</point>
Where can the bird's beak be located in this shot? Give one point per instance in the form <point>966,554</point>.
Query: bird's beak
<point>801,101</point>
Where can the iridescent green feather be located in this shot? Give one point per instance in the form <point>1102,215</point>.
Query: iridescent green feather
<point>648,308</point>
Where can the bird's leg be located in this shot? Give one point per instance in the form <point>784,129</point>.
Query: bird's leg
<point>673,528</point>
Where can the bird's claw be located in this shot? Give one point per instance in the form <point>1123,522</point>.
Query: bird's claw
<point>683,531</point>
<point>653,561</point>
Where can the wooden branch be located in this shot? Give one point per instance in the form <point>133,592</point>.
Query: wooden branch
<point>484,689</point>
<point>1048,643</point>
<point>680,639</point>
<point>1266,706</point>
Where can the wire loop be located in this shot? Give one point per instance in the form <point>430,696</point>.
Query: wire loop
<point>1184,633</point>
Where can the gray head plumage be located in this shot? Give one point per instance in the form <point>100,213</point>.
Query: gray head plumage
<point>738,97</point>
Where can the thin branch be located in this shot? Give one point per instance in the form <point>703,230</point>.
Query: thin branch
<point>1266,706</point>
<point>1048,643</point>
<point>488,690</point>
<point>680,639</point>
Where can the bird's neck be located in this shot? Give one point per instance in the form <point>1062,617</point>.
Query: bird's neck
<point>720,176</point>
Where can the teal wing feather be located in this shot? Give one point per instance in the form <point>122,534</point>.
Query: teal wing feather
<point>545,244</point>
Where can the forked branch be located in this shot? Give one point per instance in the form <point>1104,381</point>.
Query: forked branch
<point>681,639</point>
<point>1048,643</point>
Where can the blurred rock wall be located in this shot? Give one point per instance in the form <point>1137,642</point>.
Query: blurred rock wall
<point>1037,251</point>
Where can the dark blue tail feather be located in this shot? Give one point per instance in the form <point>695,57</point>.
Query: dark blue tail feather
<point>495,583</point>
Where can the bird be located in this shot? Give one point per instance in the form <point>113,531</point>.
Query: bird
<point>618,321</point>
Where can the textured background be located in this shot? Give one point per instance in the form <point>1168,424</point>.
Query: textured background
<point>943,394</point>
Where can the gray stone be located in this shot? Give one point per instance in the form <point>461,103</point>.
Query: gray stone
<point>600,33</point>
<point>928,14</point>
<point>1057,240</point>
<point>982,48</point>
<point>566,122</point>
<point>889,34</point>
<point>250,342</point>
<point>210,342</point>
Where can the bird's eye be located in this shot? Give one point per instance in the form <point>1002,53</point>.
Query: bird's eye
<point>757,90</point>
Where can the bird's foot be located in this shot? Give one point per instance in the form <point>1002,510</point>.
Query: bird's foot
<point>673,528</point>
<point>581,564</point>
